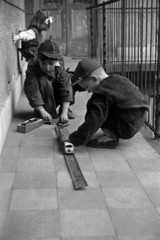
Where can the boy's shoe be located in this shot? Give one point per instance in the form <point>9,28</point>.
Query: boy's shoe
<point>95,143</point>
<point>70,114</point>
<point>107,140</point>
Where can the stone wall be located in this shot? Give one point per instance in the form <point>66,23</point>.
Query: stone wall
<point>12,19</point>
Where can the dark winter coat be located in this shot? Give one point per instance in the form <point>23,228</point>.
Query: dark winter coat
<point>60,81</point>
<point>117,101</point>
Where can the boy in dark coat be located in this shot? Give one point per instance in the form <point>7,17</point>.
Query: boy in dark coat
<point>47,85</point>
<point>116,106</point>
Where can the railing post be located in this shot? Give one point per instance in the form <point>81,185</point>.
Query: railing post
<point>91,31</point>
<point>158,80</point>
<point>123,35</point>
<point>104,35</point>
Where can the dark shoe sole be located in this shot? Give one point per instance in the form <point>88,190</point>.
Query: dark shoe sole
<point>110,144</point>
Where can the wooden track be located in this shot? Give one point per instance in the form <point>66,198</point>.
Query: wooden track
<point>77,177</point>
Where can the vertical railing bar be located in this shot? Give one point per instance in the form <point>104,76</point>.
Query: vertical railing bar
<point>135,1</point>
<point>146,52</point>
<point>132,29</point>
<point>115,45</point>
<point>128,33</point>
<point>151,37</point>
<point>120,43</point>
<point>115,42</point>
<point>111,39</point>
<point>142,46</point>
<point>113,27</point>
<point>158,77</point>
<point>123,37</point>
<point>91,29</point>
<point>138,49</point>
<point>120,36</point>
<point>155,69</point>
<point>117,14</point>
<point>108,37</point>
<point>104,37</point>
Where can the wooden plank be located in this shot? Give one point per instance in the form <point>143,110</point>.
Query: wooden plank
<point>75,172</point>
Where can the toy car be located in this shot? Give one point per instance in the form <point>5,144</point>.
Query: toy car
<point>68,148</point>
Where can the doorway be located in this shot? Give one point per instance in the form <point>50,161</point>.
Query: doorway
<point>70,27</point>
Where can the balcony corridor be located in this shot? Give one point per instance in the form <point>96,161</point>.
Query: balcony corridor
<point>37,199</point>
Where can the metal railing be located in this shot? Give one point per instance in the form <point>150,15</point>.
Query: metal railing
<point>127,42</point>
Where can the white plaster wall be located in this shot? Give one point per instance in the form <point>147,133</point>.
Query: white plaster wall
<point>9,106</point>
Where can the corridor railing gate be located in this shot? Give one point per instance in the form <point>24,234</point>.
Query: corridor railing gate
<point>125,37</point>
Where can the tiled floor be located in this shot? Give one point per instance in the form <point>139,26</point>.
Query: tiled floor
<point>37,199</point>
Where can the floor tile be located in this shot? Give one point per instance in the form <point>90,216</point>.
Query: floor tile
<point>85,223</point>
<point>46,239</point>
<point>10,152</point>
<point>127,198</point>
<point>154,195</point>
<point>91,179</point>
<point>64,180</point>
<point>144,164</point>
<point>35,164</point>
<point>132,152</point>
<point>45,131</point>
<point>109,163</point>
<point>85,163</point>
<point>105,153</point>
<point>35,180</point>
<point>149,179</point>
<point>139,237</point>
<point>5,195</point>
<point>83,199</point>
<point>91,238</point>
<point>6,180</point>
<point>8,165</point>
<point>136,221</point>
<point>36,152</point>
<point>38,141</point>
<point>116,179</point>
<point>81,152</point>
<point>3,216</point>
<point>13,139</point>
<point>33,199</point>
<point>22,225</point>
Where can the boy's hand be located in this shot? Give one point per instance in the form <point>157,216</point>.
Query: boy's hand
<point>63,117</point>
<point>46,116</point>
<point>15,38</point>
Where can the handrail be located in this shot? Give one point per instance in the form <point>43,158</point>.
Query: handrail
<point>103,4</point>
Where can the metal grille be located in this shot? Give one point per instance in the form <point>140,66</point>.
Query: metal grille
<point>128,43</point>
<point>52,2</point>
<point>81,1</point>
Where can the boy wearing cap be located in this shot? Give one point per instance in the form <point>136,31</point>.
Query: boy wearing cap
<point>116,106</point>
<point>47,85</point>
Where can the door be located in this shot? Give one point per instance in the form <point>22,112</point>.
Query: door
<point>70,27</point>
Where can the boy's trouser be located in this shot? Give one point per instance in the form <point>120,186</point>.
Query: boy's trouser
<point>48,96</point>
<point>125,124</point>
